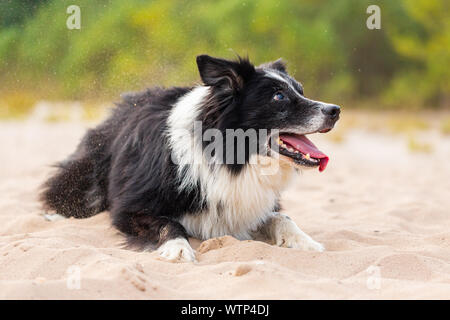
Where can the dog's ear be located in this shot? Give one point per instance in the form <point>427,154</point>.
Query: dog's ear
<point>224,73</point>
<point>279,65</point>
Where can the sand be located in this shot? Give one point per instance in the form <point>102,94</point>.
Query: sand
<point>382,212</point>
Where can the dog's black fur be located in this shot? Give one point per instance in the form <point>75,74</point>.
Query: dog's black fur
<point>124,165</point>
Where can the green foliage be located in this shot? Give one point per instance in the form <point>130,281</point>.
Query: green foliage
<point>128,45</point>
<point>424,39</point>
<point>14,12</point>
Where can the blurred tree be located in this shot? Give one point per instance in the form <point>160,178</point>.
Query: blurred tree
<point>127,45</point>
<point>424,40</point>
<point>13,12</point>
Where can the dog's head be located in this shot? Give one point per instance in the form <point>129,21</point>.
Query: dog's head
<point>266,97</point>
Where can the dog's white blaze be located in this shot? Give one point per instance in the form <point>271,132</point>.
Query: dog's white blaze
<point>277,76</point>
<point>237,204</point>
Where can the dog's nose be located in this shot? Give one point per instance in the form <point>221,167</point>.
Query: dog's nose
<point>331,110</point>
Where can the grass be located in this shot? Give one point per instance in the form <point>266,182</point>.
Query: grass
<point>407,124</point>
<point>89,112</point>
<point>445,126</point>
<point>16,105</point>
<point>93,112</point>
<point>419,147</point>
<point>55,117</point>
<point>20,105</point>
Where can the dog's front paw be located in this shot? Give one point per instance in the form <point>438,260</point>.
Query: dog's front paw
<point>299,241</point>
<point>288,235</point>
<point>177,250</point>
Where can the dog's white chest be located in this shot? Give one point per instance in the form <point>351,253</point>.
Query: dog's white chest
<point>236,205</point>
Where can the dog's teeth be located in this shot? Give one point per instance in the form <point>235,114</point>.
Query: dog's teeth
<point>296,151</point>
<point>307,156</point>
<point>291,150</point>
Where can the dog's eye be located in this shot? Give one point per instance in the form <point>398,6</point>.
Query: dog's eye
<point>279,96</point>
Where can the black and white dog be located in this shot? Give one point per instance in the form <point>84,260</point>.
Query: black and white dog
<point>152,166</point>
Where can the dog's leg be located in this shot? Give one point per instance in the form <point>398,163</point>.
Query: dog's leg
<point>279,229</point>
<point>169,236</point>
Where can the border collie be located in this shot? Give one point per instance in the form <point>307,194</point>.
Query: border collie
<point>160,166</point>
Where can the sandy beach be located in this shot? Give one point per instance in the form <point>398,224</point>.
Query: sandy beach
<point>381,210</point>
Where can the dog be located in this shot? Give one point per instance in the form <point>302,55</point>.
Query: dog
<point>150,165</point>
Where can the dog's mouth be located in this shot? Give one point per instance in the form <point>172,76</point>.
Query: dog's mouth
<point>301,150</point>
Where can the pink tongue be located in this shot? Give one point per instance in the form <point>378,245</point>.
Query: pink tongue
<point>305,146</point>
